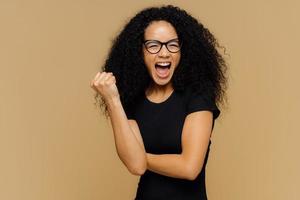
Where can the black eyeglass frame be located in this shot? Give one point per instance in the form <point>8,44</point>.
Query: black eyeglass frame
<point>163,43</point>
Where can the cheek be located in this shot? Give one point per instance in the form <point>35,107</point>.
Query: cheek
<point>148,59</point>
<point>177,58</point>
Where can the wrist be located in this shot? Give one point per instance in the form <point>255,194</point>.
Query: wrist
<point>113,101</point>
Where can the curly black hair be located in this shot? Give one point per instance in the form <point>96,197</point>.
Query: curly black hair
<point>201,66</point>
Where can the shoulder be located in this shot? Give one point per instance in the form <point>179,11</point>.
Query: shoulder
<point>198,101</point>
<point>131,107</point>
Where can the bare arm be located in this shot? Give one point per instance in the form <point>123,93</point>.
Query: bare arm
<point>129,149</point>
<point>195,140</point>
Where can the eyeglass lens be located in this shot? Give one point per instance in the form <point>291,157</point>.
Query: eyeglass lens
<point>154,46</point>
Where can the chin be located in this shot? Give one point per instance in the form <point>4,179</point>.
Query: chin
<point>160,81</point>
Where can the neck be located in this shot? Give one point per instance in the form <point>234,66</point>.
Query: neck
<point>160,89</point>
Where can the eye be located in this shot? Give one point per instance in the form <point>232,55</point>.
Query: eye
<point>174,44</point>
<point>152,44</point>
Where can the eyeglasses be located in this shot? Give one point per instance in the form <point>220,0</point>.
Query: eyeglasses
<point>154,46</point>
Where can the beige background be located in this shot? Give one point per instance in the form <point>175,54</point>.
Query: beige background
<point>55,145</point>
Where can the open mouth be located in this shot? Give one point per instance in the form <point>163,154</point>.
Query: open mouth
<point>163,69</point>
<point>163,65</point>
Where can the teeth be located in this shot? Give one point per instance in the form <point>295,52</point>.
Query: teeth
<point>163,63</point>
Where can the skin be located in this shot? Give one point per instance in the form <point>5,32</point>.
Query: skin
<point>129,148</point>
<point>128,140</point>
<point>160,88</point>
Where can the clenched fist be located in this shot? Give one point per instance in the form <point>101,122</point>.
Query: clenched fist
<point>105,84</point>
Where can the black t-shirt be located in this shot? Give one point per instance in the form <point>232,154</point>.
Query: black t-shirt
<point>161,126</point>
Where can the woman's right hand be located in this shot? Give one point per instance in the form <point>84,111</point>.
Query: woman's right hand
<point>105,84</point>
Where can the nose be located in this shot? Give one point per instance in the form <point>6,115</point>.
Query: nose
<point>164,52</point>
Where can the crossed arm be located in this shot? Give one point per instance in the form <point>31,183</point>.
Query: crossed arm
<point>195,139</point>
<point>130,148</point>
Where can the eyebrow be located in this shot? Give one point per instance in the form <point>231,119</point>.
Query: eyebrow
<point>174,39</point>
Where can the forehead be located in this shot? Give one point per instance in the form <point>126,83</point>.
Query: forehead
<point>160,30</point>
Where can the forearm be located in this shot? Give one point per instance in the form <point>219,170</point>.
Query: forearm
<point>172,165</point>
<point>128,148</point>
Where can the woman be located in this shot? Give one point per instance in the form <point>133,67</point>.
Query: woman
<point>160,85</point>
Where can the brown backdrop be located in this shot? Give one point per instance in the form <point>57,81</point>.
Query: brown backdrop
<point>54,144</point>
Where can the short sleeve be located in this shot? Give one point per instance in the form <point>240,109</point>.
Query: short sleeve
<point>129,111</point>
<point>197,102</point>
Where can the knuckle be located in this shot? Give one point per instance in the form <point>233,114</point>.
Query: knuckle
<point>98,83</point>
<point>102,83</point>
